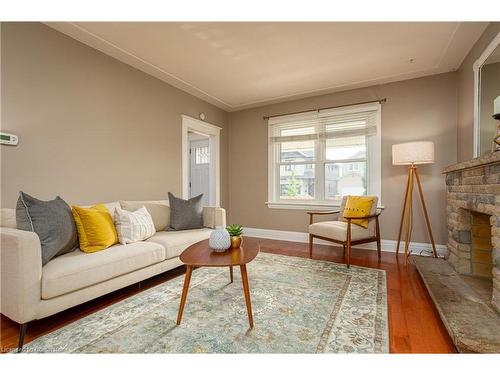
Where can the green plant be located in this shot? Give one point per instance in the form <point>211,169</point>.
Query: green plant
<point>292,186</point>
<point>234,230</point>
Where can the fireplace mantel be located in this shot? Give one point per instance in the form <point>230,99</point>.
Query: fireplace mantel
<point>491,158</point>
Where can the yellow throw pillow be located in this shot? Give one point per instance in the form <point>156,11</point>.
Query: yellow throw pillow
<point>358,207</point>
<point>96,230</point>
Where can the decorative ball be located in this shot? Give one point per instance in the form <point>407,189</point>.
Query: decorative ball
<point>219,240</point>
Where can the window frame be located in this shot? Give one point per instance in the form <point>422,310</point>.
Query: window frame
<point>373,165</point>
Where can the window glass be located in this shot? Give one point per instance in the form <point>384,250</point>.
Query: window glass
<point>347,148</point>
<point>297,181</point>
<point>297,151</point>
<point>345,179</point>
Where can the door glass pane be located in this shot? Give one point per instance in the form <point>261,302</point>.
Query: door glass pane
<point>346,148</point>
<point>345,179</point>
<point>297,151</point>
<point>201,155</point>
<point>297,181</point>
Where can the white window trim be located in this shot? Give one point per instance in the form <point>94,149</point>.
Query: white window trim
<point>374,168</point>
<point>190,124</point>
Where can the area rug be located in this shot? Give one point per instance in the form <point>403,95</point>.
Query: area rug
<point>299,306</point>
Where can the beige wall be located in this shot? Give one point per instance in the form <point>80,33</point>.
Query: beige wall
<point>94,129</point>
<point>466,93</point>
<point>418,109</point>
<point>91,128</point>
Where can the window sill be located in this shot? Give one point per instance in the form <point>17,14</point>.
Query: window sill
<point>303,206</point>
<point>306,206</point>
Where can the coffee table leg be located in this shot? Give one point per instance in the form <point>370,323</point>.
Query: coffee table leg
<point>189,270</point>
<point>246,289</point>
<point>231,273</point>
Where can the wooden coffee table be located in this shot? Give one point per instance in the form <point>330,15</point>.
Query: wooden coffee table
<point>201,255</point>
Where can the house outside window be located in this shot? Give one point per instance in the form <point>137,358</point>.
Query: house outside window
<point>317,157</point>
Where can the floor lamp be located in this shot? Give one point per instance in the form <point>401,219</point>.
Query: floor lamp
<point>412,154</point>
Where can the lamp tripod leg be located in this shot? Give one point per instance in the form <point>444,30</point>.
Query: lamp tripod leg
<point>403,211</point>
<point>426,216</point>
<point>408,213</point>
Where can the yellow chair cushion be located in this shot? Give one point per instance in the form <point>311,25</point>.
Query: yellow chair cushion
<point>96,230</point>
<point>358,207</point>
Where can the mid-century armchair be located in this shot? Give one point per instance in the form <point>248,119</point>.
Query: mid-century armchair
<point>342,231</point>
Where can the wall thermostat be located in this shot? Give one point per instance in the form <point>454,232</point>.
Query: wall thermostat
<point>8,139</point>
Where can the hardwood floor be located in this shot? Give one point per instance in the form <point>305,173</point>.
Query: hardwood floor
<point>414,324</point>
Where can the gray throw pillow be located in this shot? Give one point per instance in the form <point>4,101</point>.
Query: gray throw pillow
<point>185,214</point>
<point>51,220</point>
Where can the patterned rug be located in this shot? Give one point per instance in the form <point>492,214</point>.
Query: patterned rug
<point>299,305</point>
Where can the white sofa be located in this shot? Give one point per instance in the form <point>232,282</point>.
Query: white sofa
<point>30,291</point>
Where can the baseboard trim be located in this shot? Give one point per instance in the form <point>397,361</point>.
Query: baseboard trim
<point>418,248</point>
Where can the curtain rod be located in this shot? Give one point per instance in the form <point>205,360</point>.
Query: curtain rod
<point>383,100</point>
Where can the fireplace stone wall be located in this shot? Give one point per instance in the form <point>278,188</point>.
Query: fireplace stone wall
<point>473,197</point>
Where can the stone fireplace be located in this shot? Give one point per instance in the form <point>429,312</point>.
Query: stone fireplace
<point>473,220</point>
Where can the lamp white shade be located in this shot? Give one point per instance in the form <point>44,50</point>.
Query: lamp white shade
<point>413,153</point>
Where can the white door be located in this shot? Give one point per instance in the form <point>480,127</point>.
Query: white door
<point>200,170</point>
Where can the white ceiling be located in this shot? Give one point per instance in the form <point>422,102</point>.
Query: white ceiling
<point>236,65</point>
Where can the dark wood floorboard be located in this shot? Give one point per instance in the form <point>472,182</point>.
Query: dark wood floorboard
<point>414,324</point>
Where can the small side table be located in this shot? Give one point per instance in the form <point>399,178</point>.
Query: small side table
<point>201,255</point>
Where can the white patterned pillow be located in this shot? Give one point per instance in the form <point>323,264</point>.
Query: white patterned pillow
<point>133,226</point>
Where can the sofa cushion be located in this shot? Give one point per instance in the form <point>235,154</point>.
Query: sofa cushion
<point>159,211</point>
<point>185,213</point>
<point>371,222</point>
<point>338,230</point>
<point>8,218</point>
<point>51,221</point>
<point>175,242</point>
<point>133,226</point>
<point>96,230</point>
<point>358,206</point>
<point>110,206</point>
<point>77,270</point>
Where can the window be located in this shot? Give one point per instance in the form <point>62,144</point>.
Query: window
<point>201,155</point>
<point>317,157</point>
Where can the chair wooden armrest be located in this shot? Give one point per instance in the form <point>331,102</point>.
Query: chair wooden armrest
<point>322,212</point>
<point>312,213</point>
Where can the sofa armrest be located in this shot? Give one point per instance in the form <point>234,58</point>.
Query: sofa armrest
<point>21,278</point>
<point>214,217</point>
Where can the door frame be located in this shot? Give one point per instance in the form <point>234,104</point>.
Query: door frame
<point>190,124</point>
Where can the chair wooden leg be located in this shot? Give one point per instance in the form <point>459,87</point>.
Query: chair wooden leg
<point>343,248</point>
<point>348,251</point>
<point>310,246</point>
<point>348,243</point>
<point>22,332</point>
<point>379,246</point>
